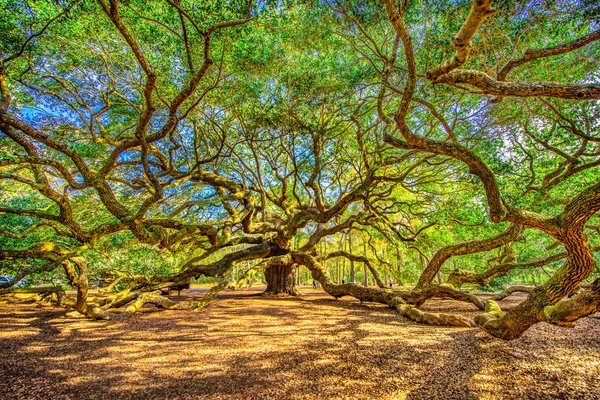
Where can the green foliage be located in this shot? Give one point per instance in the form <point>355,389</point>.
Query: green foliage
<point>287,110</point>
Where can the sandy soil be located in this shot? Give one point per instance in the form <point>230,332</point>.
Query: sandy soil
<point>250,347</point>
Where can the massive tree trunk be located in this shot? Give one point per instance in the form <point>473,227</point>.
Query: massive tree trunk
<point>281,279</point>
<point>540,305</point>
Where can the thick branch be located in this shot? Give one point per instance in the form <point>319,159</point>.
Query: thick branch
<point>578,306</point>
<point>389,297</point>
<point>510,290</point>
<point>462,41</point>
<point>459,277</point>
<point>475,246</point>
<point>487,85</point>
<point>361,259</point>
<point>548,52</point>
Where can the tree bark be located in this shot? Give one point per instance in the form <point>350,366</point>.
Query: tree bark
<point>475,246</point>
<point>511,325</point>
<point>281,279</point>
<point>352,272</point>
<point>462,40</point>
<point>392,298</point>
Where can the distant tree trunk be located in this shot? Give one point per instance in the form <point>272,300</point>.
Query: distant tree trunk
<point>281,279</point>
<point>365,276</point>
<point>399,266</point>
<point>343,248</point>
<point>352,277</point>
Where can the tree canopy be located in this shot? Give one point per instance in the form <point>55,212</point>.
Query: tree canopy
<point>444,146</point>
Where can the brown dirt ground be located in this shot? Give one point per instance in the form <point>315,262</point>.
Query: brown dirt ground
<point>249,347</point>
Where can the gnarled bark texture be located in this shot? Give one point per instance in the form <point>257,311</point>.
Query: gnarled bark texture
<point>281,279</point>
<point>580,263</point>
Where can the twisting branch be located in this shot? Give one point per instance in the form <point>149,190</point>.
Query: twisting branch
<point>475,246</point>
<point>460,277</point>
<point>487,85</point>
<point>21,50</point>
<point>361,259</point>
<point>391,298</point>
<point>512,289</point>
<point>446,72</point>
<point>480,9</point>
<point>531,55</point>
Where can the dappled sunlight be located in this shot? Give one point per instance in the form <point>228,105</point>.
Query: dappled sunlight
<point>297,348</point>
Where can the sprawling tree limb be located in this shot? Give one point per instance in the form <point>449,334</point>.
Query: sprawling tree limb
<point>446,72</point>
<point>44,294</point>
<point>576,307</point>
<point>193,268</point>
<point>428,318</point>
<point>458,277</point>
<point>322,232</point>
<point>377,295</point>
<point>361,259</point>
<point>480,9</point>
<point>35,290</point>
<point>139,298</point>
<point>563,313</point>
<point>418,296</point>
<point>476,165</point>
<point>512,289</point>
<point>475,246</point>
<point>566,227</point>
<point>531,55</point>
<point>580,263</point>
<point>487,85</point>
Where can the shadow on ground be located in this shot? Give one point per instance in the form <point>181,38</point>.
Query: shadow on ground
<point>247,346</point>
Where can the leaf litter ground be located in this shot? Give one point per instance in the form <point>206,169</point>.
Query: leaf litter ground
<point>245,346</point>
